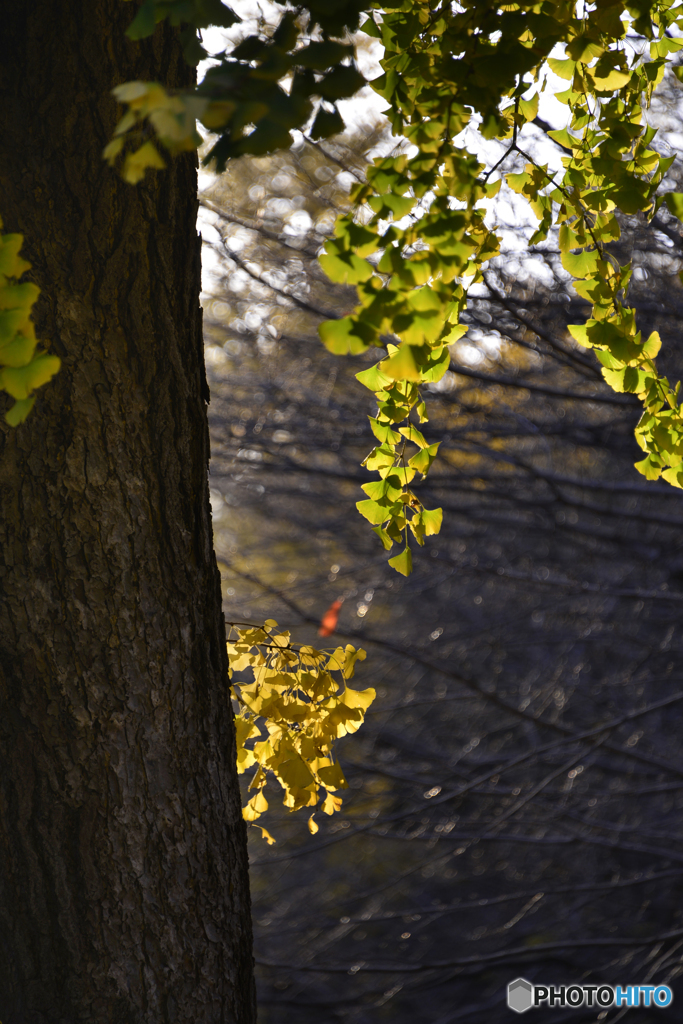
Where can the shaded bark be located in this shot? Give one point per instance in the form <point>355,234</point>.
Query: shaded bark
<point>123,867</point>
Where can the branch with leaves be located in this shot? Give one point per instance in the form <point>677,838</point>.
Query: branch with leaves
<point>302,699</point>
<point>428,263</point>
<point>417,238</point>
<point>255,94</point>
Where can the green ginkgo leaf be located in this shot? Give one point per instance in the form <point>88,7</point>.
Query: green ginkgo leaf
<point>583,264</point>
<point>344,337</point>
<point>402,563</point>
<point>373,511</point>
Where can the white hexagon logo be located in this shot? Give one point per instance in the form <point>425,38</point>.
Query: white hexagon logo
<point>520,995</point>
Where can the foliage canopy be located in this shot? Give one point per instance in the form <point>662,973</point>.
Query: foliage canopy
<point>417,238</point>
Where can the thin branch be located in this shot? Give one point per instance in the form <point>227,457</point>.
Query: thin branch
<point>259,229</point>
<point>543,389</point>
<point>506,954</point>
<point>243,265</point>
<point>575,357</point>
<point>453,908</point>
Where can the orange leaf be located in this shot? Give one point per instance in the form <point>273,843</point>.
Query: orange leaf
<point>328,623</point>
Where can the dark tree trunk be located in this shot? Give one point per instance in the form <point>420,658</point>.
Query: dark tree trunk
<point>123,867</point>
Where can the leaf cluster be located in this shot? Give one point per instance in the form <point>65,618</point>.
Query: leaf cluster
<point>296,705</point>
<point>418,239</point>
<point>22,368</point>
<point>415,257</point>
<point>255,94</point>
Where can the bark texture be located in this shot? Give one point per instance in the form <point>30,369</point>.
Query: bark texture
<point>123,866</point>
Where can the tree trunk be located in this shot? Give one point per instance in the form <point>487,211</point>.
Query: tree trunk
<point>123,867</point>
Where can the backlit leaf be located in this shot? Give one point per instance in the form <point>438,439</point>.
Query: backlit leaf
<point>402,563</point>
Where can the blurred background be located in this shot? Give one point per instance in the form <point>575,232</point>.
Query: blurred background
<point>515,801</point>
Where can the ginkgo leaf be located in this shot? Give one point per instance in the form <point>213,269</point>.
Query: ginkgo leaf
<point>20,382</point>
<point>431,520</point>
<point>562,68</point>
<point>529,108</point>
<point>403,563</point>
<point>346,659</point>
<point>18,296</point>
<point>137,163</point>
<point>245,759</point>
<point>374,379</point>
<point>414,435</point>
<point>652,346</point>
<point>343,337</point>
<point>389,488</point>
<point>19,351</point>
<point>674,201</point>
<point>563,138</point>
<point>294,773</point>
<point>580,334</point>
<point>611,80</point>
<point>673,475</point>
<point>403,365</point>
<point>11,263</point>
<point>381,457</point>
<point>359,698</point>
<point>374,512</point>
<point>455,333</point>
<point>518,182</point>
<point>265,834</point>
<point>384,432</point>
<point>423,460</point>
<point>333,777</point>
<point>649,467</point>
<point>384,537</point>
<point>615,378</point>
<point>244,730</point>
<point>255,808</point>
<point>19,411</point>
<point>332,803</point>
<point>582,264</point>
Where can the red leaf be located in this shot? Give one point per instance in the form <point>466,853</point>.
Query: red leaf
<point>328,623</point>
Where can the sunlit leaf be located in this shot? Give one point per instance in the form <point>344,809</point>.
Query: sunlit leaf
<point>402,563</point>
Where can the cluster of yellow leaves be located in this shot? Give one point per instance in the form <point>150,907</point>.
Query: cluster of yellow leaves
<point>22,370</point>
<point>173,119</point>
<point>294,707</point>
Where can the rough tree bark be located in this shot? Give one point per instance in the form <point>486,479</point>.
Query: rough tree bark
<point>123,866</point>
